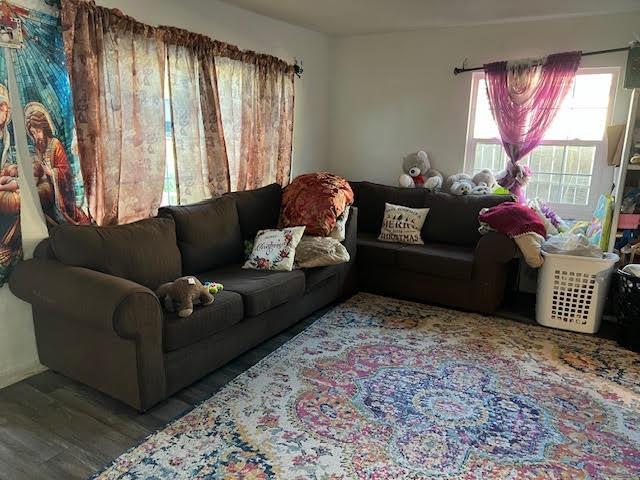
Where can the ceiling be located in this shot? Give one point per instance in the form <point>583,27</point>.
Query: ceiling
<point>350,17</point>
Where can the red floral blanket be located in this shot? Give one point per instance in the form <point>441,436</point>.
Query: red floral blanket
<point>315,200</point>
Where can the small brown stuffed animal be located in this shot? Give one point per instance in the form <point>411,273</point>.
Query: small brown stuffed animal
<point>182,294</point>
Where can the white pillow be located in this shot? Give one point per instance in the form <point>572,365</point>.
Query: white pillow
<point>320,252</point>
<point>339,232</point>
<point>274,249</point>
<point>402,224</point>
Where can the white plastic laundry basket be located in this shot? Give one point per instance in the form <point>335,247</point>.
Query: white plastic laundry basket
<point>572,291</point>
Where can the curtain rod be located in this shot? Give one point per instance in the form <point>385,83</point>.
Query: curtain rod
<point>457,70</point>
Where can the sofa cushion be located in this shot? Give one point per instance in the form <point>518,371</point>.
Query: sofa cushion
<point>438,260</point>
<point>208,233</point>
<point>454,219</point>
<point>315,277</point>
<point>258,209</point>
<point>261,290</point>
<point>224,312</point>
<point>372,198</point>
<point>375,252</point>
<point>144,252</point>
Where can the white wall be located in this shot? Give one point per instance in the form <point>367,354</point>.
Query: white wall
<point>392,94</point>
<point>18,356</point>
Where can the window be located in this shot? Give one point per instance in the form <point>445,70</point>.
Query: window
<point>569,166</point>
<point>229,91</point>
<point>169,192</point>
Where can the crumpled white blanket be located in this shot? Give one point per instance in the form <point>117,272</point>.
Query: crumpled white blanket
<point>320,252</point>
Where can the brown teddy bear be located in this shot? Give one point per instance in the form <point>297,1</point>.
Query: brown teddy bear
<point>181,294</point>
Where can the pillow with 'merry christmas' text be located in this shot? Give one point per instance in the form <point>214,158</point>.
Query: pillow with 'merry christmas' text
<point>402,224</point>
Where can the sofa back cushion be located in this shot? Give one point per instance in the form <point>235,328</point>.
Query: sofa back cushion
<point>355,187</point>
<point>208,233</point>
<point>453,219</point>
<point>258,209</point>
<point>144,252</point>
<point>372,197</point>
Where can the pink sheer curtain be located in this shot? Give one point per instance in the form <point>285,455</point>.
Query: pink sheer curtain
<point>524,99</point>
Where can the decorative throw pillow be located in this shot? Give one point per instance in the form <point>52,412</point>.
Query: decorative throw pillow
<point>402,224</point>
<point>315,200</point>
<point>339,232</point>
<point>274,249</point>
<point>320,252</point>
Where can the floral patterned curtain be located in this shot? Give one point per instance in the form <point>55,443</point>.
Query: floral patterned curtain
<point>119,110</point>
<point>201,164</point>
<point>256,100</point>
<point>227,121</point>
<point>244,102</point>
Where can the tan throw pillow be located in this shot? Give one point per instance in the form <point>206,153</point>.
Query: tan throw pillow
<point>274,249</point>
<point>402,224</point>
<point>320,252</point>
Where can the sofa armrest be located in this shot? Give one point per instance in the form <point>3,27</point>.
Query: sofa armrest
<point>91,298</point>
<point>351,233</point>
<point>496,248</point>
<point>107,331</point>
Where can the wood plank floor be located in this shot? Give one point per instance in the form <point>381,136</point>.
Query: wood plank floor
<point>53,428</point>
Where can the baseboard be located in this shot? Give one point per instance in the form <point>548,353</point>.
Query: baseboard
<point>9,377</point>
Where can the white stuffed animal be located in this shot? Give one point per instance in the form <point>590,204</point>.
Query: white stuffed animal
<point>485,177</point>
<point>459,184</point>
<point>481,189</point>
<point>418,172</point>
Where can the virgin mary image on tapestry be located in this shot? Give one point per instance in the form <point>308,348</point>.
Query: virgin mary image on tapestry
<point>31,49</point>
<point>10,240</point>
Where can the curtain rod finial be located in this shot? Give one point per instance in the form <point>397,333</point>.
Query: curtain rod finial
<point>461,69</point>
<point>297,65</point>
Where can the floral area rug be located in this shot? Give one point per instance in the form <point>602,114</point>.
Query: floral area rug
<point>386,389</point>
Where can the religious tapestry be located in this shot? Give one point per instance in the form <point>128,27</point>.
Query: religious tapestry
<point>33,78</point>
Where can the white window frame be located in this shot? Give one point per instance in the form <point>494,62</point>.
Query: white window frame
<point>602,176</point>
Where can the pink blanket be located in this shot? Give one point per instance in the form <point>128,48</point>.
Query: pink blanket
<point>513,219</point>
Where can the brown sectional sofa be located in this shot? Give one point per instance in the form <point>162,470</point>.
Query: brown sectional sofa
<point>98,321</point>
<point>455,267</point>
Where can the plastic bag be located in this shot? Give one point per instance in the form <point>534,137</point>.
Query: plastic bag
<point>632,269</point>
<point>571,244</point>
<point>631,201</point>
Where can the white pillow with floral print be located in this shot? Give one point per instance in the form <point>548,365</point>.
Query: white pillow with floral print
<point>275,249</point>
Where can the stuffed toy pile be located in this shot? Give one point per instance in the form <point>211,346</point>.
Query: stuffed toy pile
<point>418,173</point>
